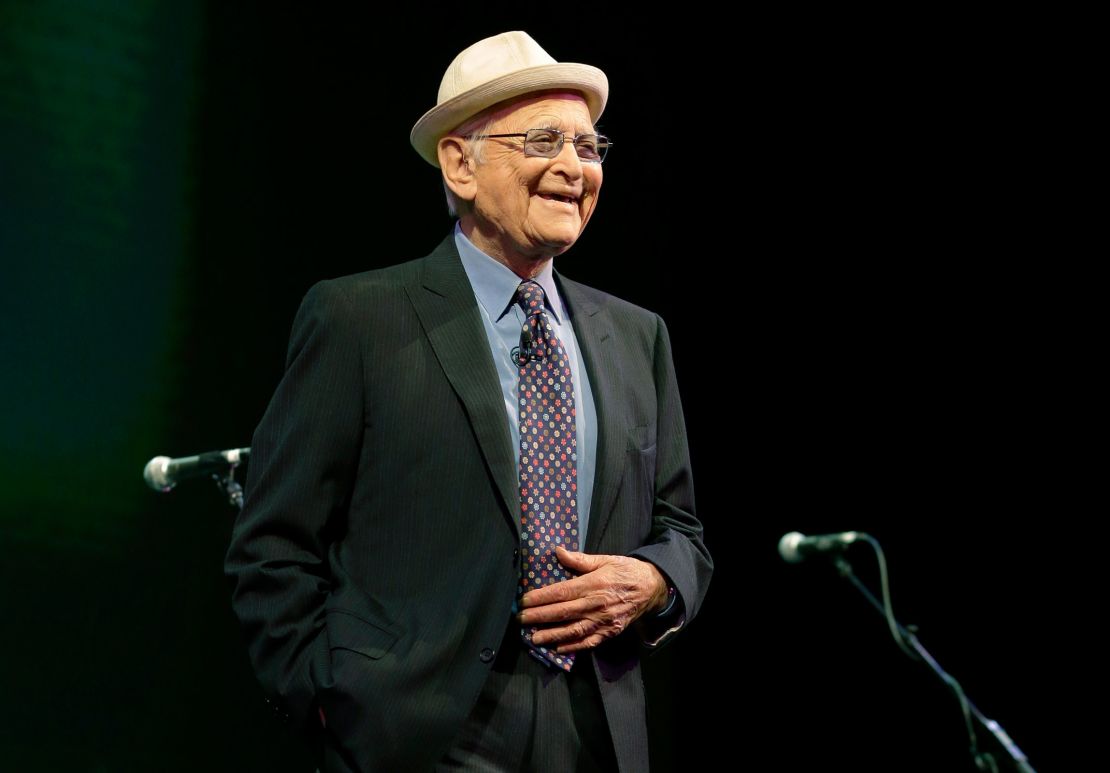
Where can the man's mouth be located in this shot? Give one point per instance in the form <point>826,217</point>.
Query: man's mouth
<point>558,197</point>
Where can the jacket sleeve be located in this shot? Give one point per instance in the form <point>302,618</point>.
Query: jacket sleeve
<point>676,545</point>
<point>303,459</point>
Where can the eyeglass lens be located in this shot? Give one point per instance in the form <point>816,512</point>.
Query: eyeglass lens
<point>547,143</point>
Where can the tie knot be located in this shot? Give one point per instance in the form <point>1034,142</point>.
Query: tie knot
<point>529,296</point>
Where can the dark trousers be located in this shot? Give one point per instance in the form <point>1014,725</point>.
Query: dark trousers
<point>532,718</point>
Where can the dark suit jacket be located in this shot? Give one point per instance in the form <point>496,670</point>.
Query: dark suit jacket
<point>375,560</point>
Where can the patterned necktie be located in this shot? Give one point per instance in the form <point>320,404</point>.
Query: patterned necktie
<point>548,457</point>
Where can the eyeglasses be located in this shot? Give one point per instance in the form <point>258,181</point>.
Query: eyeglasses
<point>548,143</point>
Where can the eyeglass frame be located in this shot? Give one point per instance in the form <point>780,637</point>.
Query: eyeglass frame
<point>602,141</point>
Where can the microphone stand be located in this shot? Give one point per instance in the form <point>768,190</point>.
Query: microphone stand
<point>229,486</point>
<point>983,760</point>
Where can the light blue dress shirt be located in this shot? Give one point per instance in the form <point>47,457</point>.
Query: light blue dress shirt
<point>494,287</point>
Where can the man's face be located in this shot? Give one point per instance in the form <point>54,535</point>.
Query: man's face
<point>521,207</point>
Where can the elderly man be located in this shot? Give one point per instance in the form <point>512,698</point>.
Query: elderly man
<point>469,510</point>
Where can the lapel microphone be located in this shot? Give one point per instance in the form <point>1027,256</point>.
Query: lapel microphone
<point>526,350</point>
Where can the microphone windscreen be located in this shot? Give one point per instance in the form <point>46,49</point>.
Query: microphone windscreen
<point>788,547</point>
<point>155,473</point>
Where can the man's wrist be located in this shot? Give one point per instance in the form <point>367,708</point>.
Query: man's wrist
<point>668,605</point>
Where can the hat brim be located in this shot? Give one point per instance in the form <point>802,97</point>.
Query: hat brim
<point>441,119</point>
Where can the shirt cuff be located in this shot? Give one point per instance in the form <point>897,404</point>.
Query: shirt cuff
<point>656,629</point>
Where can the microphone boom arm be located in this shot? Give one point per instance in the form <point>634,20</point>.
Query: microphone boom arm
<point>983,760</point>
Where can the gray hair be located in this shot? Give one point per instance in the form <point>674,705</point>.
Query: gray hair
<point>479,124</point>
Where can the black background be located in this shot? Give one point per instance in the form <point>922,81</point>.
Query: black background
<point>821,210</point>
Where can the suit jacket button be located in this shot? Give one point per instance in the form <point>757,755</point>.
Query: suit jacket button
<point>487,655</point>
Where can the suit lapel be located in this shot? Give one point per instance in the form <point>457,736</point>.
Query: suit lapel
<point>448,311</point>
<point>593,330</point>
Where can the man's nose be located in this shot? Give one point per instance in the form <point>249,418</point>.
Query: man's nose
<point>572,162</point>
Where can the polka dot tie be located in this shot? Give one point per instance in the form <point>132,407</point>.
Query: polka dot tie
<point>548,457</point>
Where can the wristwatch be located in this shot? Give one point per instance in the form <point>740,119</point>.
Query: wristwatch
<point>671,595</point>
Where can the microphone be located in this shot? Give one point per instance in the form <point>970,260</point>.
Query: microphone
<point>527,350</point>
<point>795,546</point>
<point>163,473</point>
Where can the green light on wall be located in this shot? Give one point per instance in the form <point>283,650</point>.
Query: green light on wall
<point>96,102</point>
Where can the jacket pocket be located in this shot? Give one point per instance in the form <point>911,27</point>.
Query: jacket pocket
<point>640,476</point>
<point>349,631</point>
<point>642,439</point>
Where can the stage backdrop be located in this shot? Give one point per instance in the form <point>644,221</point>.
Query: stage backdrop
<point>811,208</point>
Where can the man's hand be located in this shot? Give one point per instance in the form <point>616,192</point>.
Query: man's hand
<point>607,596</point>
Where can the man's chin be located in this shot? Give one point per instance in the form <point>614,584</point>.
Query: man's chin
<point>555,249</point>
<point>556,243</point>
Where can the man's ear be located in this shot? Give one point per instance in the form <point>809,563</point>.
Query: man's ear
<point>457,167</point>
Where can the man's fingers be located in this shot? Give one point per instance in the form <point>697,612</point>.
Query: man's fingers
<point>555,613</point>
<point>568,635</point>
<point>550,594</point>
<point>576,587</point>
<point>606,596</point>
<point>579,562</point>
<point>567,590</point>
<point>577,646</point>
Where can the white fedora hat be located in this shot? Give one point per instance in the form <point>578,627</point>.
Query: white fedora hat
<point>495,69</point>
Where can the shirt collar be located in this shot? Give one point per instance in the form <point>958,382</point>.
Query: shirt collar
<point>495,283</point>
